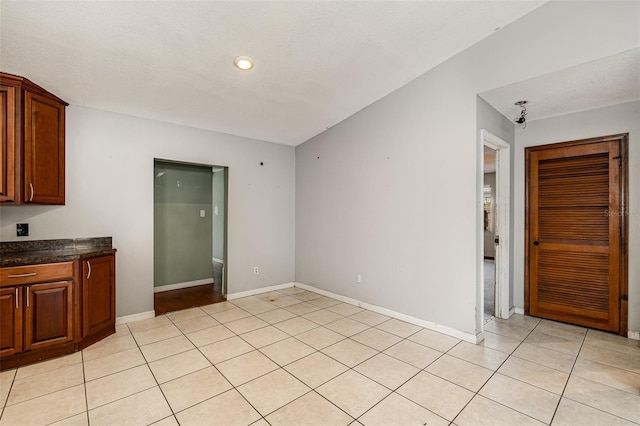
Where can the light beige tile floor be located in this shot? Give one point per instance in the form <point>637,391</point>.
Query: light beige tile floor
<point>294,357</point>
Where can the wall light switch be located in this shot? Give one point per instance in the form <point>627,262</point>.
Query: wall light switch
<point>202,213</point>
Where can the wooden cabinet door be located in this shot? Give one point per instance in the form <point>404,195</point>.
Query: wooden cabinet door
<point>48,314</point>
<point>7,143</point>
<point>98,294</point>
<point>43,150</point>
<point>10,321</point>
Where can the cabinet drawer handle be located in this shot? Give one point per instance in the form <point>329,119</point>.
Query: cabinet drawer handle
<point>31,188</point>
<point>89,272</point>
<point>17,297</point>
<point>28,288</point>
<point>30,274</point>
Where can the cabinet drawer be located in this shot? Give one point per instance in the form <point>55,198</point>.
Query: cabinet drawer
<point>16,275</point>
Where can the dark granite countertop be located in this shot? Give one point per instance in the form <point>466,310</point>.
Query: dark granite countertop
<point>19,253</point>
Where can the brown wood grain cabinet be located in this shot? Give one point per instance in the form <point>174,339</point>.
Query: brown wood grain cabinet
<point>7,140</point>
<point>98,298</point>
<point>48,314</point>
<point>52,309</point>
<point>36,305</point>
<point>33,143</point>
<point>10,321</point>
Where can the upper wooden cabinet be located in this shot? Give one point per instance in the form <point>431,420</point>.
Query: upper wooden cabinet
<point>32,155</point>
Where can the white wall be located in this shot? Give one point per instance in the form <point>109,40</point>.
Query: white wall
<point>110,193</point>
<point>624,118</point>
<point>394,195</point>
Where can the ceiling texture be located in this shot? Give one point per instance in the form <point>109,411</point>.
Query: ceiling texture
<point>597,84</point>
<point>316,62</point>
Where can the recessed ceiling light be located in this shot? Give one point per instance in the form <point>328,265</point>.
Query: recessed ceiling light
<point>243,62</point>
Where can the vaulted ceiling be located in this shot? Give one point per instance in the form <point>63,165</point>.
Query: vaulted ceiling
<point>316,62</point>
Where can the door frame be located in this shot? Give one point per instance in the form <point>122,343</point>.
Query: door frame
<point>623,140</point>
<point>503,213</point>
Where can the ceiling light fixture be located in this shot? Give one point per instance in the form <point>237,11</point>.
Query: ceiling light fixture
<point>523,114</point>
<point>243,62</point>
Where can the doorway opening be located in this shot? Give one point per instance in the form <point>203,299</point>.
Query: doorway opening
<point>489,213</point>
<point>496,169</point>
<point>190,211</point>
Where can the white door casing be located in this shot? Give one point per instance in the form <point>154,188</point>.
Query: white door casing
<point>503,178</point>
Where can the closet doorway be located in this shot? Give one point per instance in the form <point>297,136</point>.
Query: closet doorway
<point>190,211</point>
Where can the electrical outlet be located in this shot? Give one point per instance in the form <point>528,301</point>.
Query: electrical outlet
<point>255,270</point>
<point>22,229</point>
<point>358,278</point>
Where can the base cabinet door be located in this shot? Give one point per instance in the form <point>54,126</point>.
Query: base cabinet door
<point>10,321</point>
<point>98,295</point>
<point>48,314</point>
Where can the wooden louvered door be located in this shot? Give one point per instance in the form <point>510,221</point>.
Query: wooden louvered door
<point>575,247</point>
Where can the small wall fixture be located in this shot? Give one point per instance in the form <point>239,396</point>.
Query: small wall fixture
<point>523,114</point>
<point>243,62</point>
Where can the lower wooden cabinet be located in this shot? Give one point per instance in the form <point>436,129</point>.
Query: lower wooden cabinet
<point>98,297</point>
<point>10,321</point>
<point>35,316</point>
<point>48,314</point>
<point>48,310</point>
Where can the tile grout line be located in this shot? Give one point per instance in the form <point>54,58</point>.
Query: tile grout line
<point>4,405</point>
<point>84,385</point>
<point>153,375</point>
<point>138,347</point>
<point>394,391</point>
<point>314,390</point>
<point>477,393</point>
<point>236,335</point>
<point>569,377</point>
<point>279,367</point>
<point>117,372</point>
<point>234,387</point>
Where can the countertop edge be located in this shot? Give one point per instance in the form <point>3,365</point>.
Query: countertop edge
<point>37,258</point>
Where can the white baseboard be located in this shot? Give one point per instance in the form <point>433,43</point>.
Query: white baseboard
<point>232,296</point>
<point>519,310</point>
<point>471,338</point>
<point>185,284</point>
<point>135,317</point>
